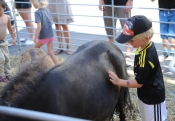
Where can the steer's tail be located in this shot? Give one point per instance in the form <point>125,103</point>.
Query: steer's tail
<point>123,103</point>
<point>127,107</point>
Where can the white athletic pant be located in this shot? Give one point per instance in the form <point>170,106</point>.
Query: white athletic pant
<point>155,112</point>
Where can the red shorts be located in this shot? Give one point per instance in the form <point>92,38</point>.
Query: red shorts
<point>45,41</point>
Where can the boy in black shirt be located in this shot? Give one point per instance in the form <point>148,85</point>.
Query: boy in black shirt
<point>148,75</point>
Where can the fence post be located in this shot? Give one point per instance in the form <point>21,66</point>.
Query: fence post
<point>16,28</point>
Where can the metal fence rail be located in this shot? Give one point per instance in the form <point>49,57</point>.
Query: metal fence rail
<point>83,36</point>
<point>35,115</point>
<point>17,20</point>
<point>78,39</point>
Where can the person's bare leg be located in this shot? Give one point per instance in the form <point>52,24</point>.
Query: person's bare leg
<point>26,15</point>
<point>60,39</point>
<point>128,56</point>
<point>172,44</point>
<point>59,35</point>
<point>165,44</point>
<point>51,53</point>
<point>165,51</point>
<point>67,37</point>
<point>38,45</point>
<point>172,51</point>
<point>165,47</point>
<point>128,50</point>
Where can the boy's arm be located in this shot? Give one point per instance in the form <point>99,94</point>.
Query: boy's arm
<point>38,29</point>
<point>124,83</point>
<point>11,31</point>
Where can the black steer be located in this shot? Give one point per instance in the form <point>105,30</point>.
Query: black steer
<point>78,87</point>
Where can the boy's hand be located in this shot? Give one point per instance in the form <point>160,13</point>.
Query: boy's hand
<point>113,78</point>
<point>152,0</point>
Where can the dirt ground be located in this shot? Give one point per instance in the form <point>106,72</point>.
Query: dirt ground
<point>132,115</point>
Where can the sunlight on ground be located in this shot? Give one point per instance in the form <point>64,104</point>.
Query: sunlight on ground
<point>171,81</point>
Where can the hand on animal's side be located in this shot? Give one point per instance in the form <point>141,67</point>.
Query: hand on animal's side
<point>113,77</point>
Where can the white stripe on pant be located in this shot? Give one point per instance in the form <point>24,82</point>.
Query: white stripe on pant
<point>155,112</point>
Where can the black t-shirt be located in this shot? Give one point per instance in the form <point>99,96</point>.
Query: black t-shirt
<point>148,72</point>
<point>116,2</point>
<point>168,4</point>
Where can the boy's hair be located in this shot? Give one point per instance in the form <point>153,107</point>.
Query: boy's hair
<point>149,33</point>
<point>41,3</point>
<point>2,4</point>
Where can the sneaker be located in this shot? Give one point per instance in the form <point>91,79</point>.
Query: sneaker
<point>163,57</point>
<point>128,61</point>
<point>22,39</point>
<point>170,57</point>
<point>28,42</point>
